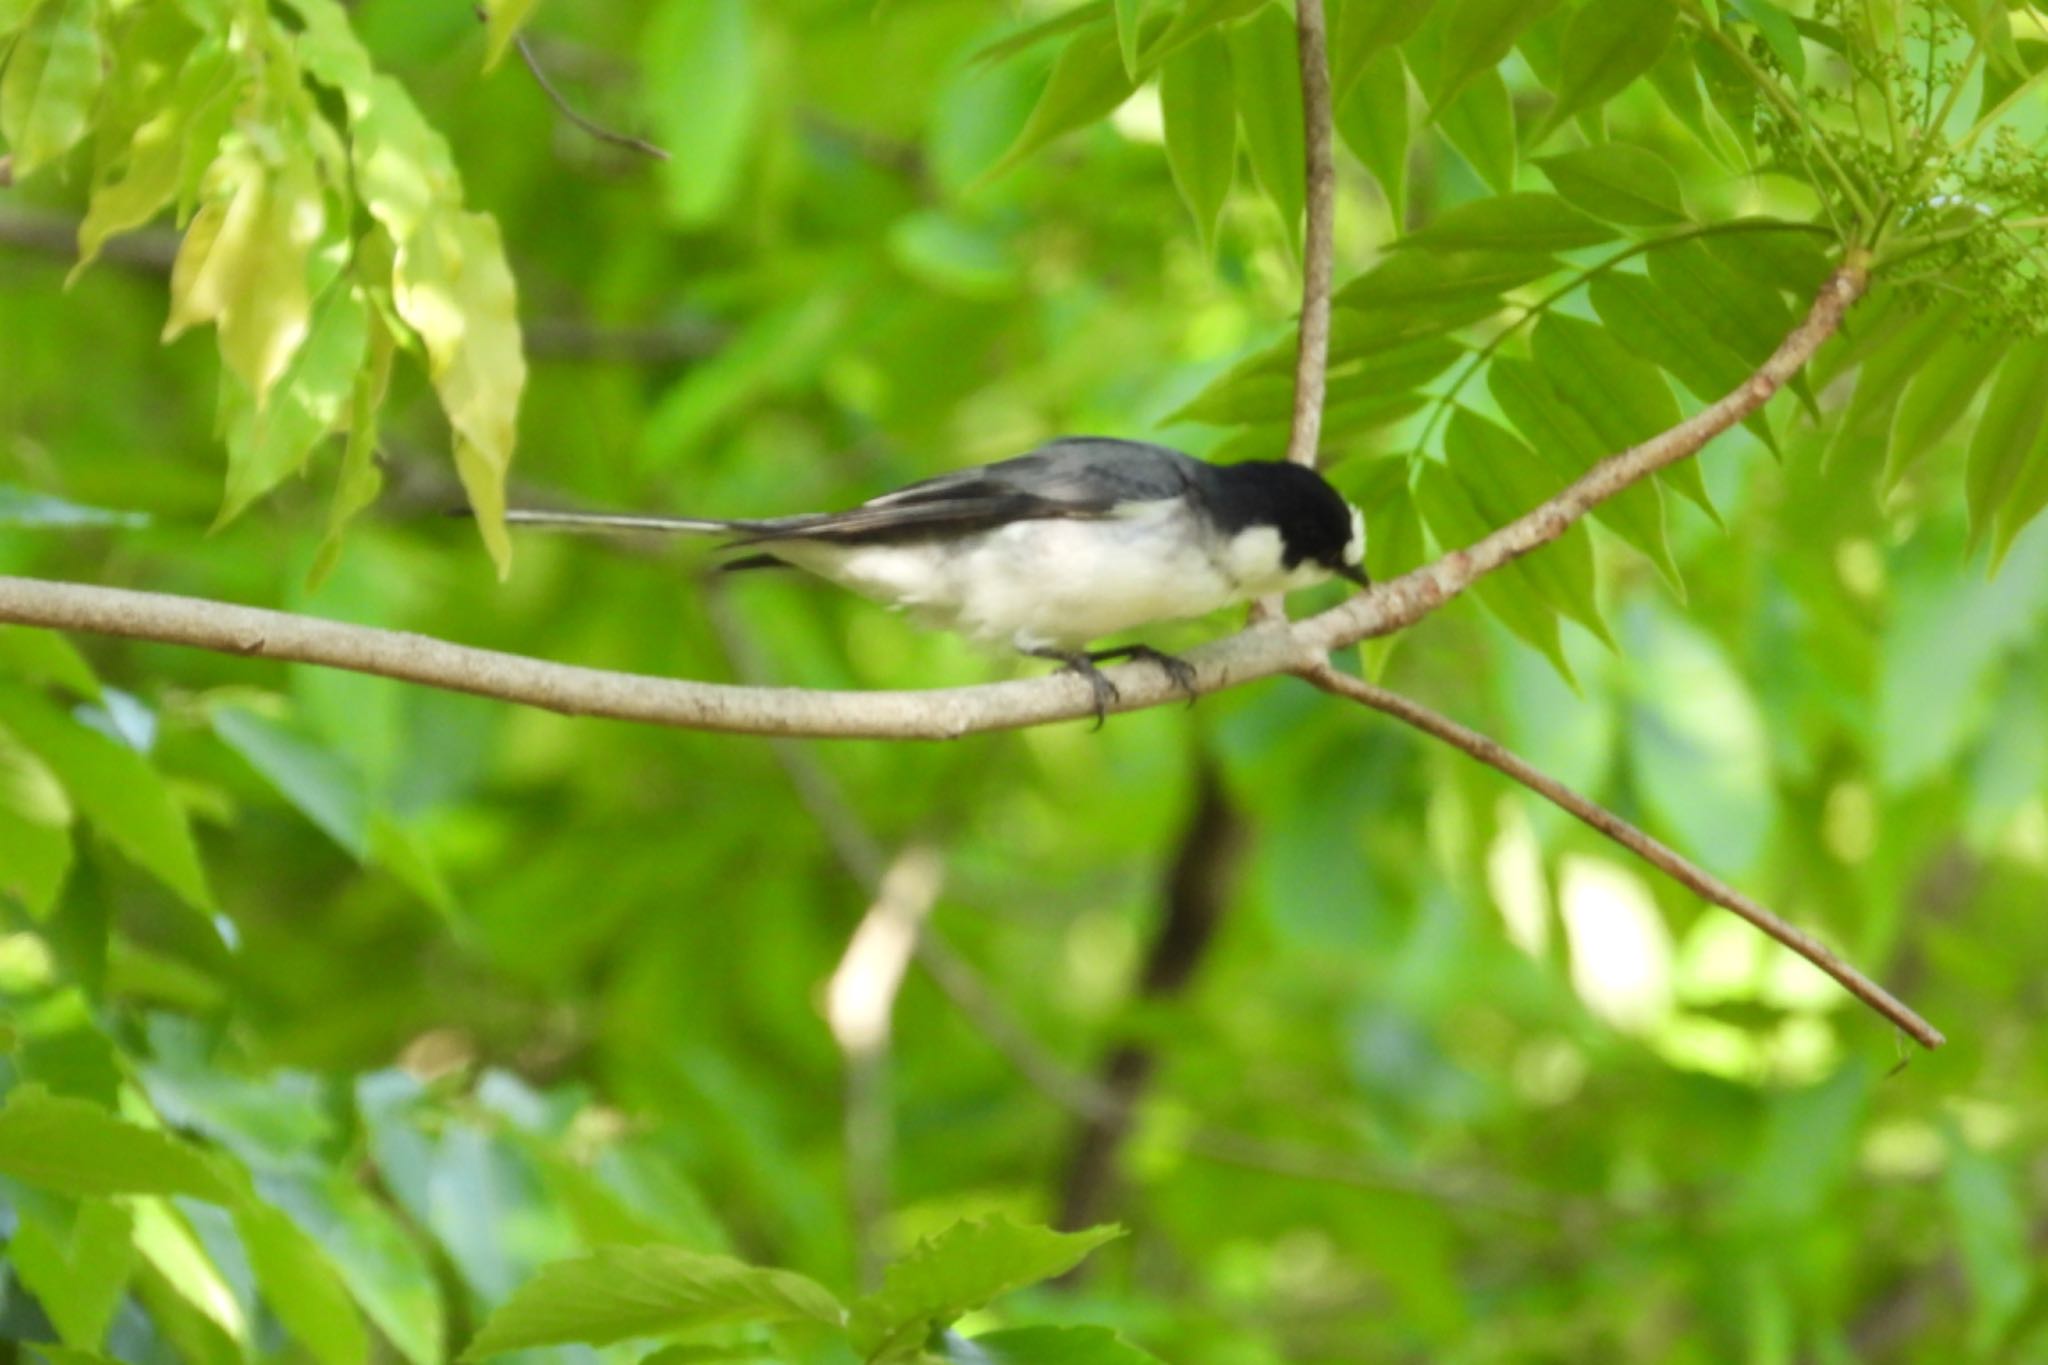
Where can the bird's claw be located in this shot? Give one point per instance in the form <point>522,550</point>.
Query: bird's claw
<point>1178,671</point>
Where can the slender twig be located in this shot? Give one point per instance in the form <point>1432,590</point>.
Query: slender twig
<point>581,120</point>
<point>1311,361</point>
<point>1666,860</point>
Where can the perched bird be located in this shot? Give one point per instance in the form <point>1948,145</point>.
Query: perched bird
<point>1082,538</point>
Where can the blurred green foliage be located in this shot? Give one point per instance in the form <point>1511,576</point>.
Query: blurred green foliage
<point>341,1019</point>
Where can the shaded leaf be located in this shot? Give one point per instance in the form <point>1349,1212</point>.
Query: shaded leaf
<point>1266,76</point>
<point>1364,29</point>
<point>1617,182</point>
<point>78,1276</point>
<point>1409,280</point>
<point>115,788</point>
<point>1510,222</point>
<point>317,782</point>
<point>1990,1223</point>
<point>1201,130</point>
<point>1936,400</point>
<point>1477,34</point>
<point>1652,326</point>
<point>300,1286</point>
<point>701,89</point>
<point>1043,1346</point>
<point>1087,82</point>
<point>1260,393</point>
<point>1454,520</point>
<point>1480,123</point>
<point>1621,396</point>
<point>1373,121</point>
<point>618,1293</point>
<point>1609,44</point>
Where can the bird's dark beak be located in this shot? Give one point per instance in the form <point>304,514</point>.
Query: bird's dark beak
<point>1356,573</point>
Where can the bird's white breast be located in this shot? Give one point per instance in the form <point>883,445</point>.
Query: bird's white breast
<point>1060,583</point>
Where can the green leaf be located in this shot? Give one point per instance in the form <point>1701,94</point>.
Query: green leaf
<point>1087,82</point>
<point>35,829</point>
<point>2007,478</point>
<point>617,1293</point>
<point>77,1148</point>
<point>1807,1147</point>
<point>961,1269</point>
<point>268,443</point>
<point>1506,479</point>
<point>502,21</point>
<point>1617,182</point>
<point>1129,16</point>
<point>1066,21</point>
<point>1990,1221</point>
<point>46,658</point>
<point>1480,123</point>
<point>151,170</point>
<point>78,1277</point>
<point>1266,76</point>
<point>51,81</point>
<point>1569,446</point>
<point>1414,280</point>
<point>358,482</point>
<point>1364,30</point>
<point>1621,396</point>
<point>1512,594</point>
<point>384,1268</point>
<point>1698,745</point>
<point>1477,35</point>
<point>301,1286</point>
<point>453,287</point>
<point>1609,44</point>
<point>1509,222</point>
<point>115,789</point>
<point>1044,1346</point>
<point>1938,397</point>
<point>1780,35</point>
<point>701,89</point>
<point>1201,130</point>
<point>1260,394</point>
<point>325,790</point>
<point>1650,325</point>
<point>1373,121</point>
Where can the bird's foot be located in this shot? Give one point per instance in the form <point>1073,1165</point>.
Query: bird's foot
<point>1179,671</point>
<point>1078,662</point>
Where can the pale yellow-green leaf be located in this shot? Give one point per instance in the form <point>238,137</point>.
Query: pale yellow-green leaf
<point>454,288</point>
<point>502,21</point>
<point>52,78</point>
<point>266,444</point>
<point>359,481</point>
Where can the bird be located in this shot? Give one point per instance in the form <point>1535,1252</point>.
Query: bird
<point>1050,551</point>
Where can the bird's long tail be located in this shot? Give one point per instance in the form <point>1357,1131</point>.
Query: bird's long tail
<point>608,523</point>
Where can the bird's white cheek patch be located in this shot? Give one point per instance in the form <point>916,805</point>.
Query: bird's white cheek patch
<point>1255,559</point>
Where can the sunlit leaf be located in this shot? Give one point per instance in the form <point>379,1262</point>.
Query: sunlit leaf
<point>52,77</point>
<point>618,1293</point>
<point>1373,121</point>
<point>701,88</point>
<point>1477,34</point>
<point>1087,82</point>
<point>77,1148</point>
<point>1510,222</point>
<point>268,443</point>
<point>300,1285</point>
<point>79,1274</point>
<point>961,1269</point>
<point>503,19</point>
<point>1480,123</point>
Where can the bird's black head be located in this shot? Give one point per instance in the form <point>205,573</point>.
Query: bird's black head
<point>1316,526</point>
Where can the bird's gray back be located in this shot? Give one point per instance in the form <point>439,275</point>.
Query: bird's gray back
<point>1081,474</point>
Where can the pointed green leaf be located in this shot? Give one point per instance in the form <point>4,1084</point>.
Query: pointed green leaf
<point>453,287</point>
<point>1569,446</point>
<point>1201,130</point>
<point>1609,44</point>
<point>1617,182</point>
<point>701,87</point>
<point>1477,35</point>
<point>79,1276</point>
<point>324,789</point>
<point>1129,15</point>
<point>51,80</point>
<point>1991,1232</point>
<point>301,1286</point>
<point>1510,222</point>
<point>45,657</point>
<point>1621,396</point>
<point>1512,594</point>
<point>1087,82</point>
<point>617,1293</point>
<point>143,180</point>
<point>1650,325</point>
<point>2008,471</point>
<point>1480,123</point>
<point>1066,21</point>
<point>77,1148</point>
<point>1373,121</point>
<point>1365,29</point>
<point>115,788</point>
<point>961,1269</point>
<point>1266,76</point>
<point>1261,394</point>
<point>502,21</point>
<point>1780,35</point>
<point>1506,479</point>
<point>1044,1346</point>
<point>1411,279</point>
<point>267,444</point>
<point>359,481</point>
<point>35,829</point>
<point>1938,397</point>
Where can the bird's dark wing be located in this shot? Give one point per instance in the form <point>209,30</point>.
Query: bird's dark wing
<point>1077,477</point>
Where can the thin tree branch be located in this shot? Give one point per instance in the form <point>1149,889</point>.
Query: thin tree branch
<point>1666,860</point>
<point>1312,356</point>
<point>580,120</point>
<point>1198,888</point>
